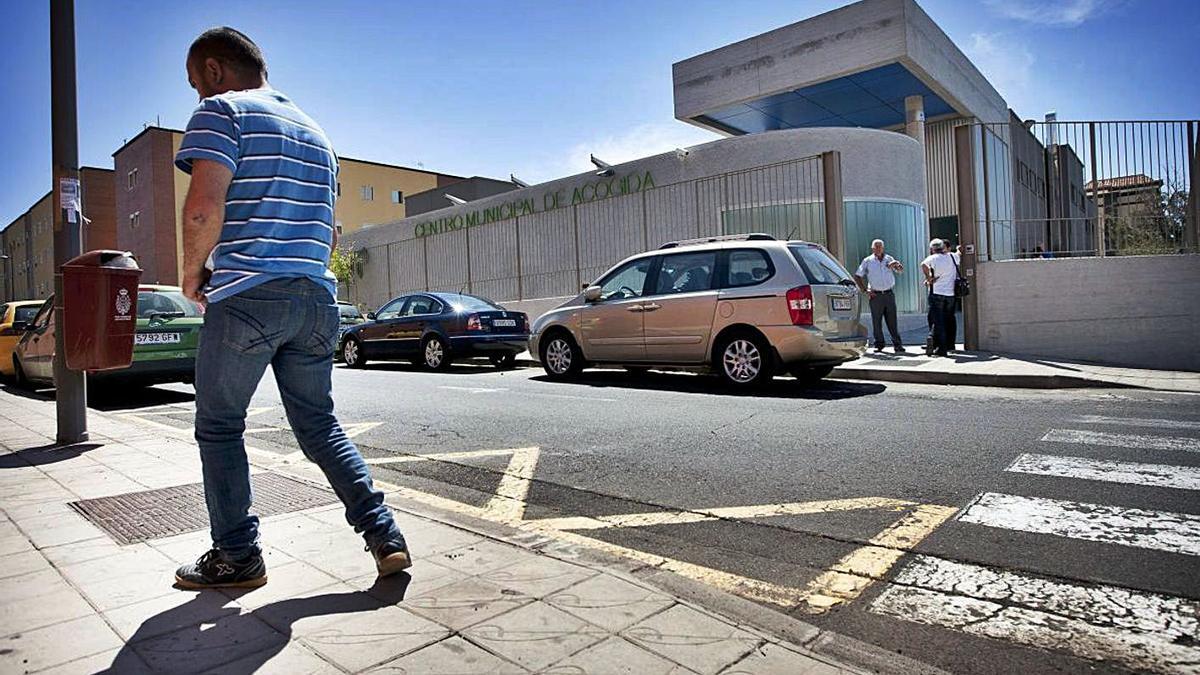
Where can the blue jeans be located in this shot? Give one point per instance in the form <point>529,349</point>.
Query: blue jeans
<point>291,325</point>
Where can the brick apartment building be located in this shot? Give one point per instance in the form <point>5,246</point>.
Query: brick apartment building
<point>28,241</point>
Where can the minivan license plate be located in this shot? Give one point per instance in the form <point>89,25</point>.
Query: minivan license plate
<point>842,304</point>
<point>505,323</point>
<point>156,338</point>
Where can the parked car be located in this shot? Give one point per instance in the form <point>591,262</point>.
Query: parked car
<point>348,315</point>
<point>14,317</point>
<point>165,342</point>
<point>433,329</point>
<point>745,306</point>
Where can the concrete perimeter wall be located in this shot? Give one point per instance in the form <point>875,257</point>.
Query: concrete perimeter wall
<point>1135,311</point>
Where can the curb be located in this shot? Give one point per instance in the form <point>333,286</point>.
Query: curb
<point>975,379</point>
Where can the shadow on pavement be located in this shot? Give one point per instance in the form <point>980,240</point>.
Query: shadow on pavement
<point>113,397</point>
<point>825,390</point>
<point>44,454</point>
<point>203,635</point>
<point>10,387</point>
<point>465,368</point>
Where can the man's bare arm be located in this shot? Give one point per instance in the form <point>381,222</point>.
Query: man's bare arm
<point>203,216</point>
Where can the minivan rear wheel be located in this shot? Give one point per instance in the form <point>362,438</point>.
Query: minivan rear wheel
<point>744,361</point>
<point>561,359</point>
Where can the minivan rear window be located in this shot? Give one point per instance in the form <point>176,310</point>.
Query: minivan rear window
<point>819,266</point>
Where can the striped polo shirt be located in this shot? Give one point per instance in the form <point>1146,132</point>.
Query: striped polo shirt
<point>279,208</point>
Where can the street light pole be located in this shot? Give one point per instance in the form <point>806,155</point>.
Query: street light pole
<point>71,387</point>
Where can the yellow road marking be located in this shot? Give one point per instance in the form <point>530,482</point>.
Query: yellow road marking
<point>723,513</point>
<point>852,574</point>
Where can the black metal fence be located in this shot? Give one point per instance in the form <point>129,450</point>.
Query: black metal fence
<point>1060,188</point>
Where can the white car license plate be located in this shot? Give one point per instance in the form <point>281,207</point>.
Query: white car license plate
<point>156,338</point>
<point>504,323</point>
<point>843,304</point>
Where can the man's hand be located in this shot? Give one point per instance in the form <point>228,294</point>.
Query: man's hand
<point>896,266</point>
<point>194,283</point>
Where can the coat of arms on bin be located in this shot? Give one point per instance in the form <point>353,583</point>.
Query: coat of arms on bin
<point>124,304</point>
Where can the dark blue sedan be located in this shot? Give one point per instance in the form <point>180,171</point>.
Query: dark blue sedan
<point>433,329</point>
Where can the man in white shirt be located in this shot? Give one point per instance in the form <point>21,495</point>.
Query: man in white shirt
<point>941,271</point>
<point>876,276</point>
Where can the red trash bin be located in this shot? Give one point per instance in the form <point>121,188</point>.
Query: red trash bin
<point>100,291</point>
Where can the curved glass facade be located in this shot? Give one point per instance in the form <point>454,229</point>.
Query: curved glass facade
<point>902,227</point>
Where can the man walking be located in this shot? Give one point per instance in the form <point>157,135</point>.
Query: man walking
<point>260,211</point>
<point>876,276</point>
<point>941,271</point>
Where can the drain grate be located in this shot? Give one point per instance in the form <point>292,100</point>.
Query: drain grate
<point>139,516</point>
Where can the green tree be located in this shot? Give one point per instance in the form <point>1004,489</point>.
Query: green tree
<point>346,265</point>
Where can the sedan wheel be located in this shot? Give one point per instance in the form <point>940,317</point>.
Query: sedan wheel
<point>435,354</point>
<point>19,374</point>
<point>745,362</point>
<point>352,353</point>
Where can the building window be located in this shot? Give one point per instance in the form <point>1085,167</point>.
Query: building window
<point>397,197</point>
<point>368,193</point>
<point>339,189</point>
<point>135,219</point>
<point>338,226</point>
<point>131,179</point>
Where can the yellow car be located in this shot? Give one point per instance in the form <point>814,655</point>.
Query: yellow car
<point>14,317</point>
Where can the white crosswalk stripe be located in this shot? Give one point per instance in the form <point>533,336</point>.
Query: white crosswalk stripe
<point>1139,630</point>
<point>1142,631</point>
<point>1141,528</point>
<point>1133,473</point>
<point>1138,422</point>
<point>1135,441</point>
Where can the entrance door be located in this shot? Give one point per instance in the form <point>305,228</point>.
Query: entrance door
<point>611,327</point>
<point>679,309</point>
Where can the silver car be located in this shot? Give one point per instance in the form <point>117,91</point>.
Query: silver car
<point>745,306</point>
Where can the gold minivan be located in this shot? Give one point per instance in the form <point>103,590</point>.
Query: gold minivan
<point>745,306</point>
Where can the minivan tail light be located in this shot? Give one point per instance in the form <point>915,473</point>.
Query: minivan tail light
<point>800,305</point>
<point>473,322</point>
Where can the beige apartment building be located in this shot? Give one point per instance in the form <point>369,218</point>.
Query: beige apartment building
<point>150,192</point>
<point>28,241</point>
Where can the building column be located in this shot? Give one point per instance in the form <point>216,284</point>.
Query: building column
<point>914,118</point>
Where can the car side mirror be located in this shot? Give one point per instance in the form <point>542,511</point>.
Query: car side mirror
<point>19,327</point>
<point>592,294</point>
<point>370,316</point>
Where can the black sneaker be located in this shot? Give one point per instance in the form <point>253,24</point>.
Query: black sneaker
<point>901,350</point>
<point>214,570</point>
<point>391,557</point>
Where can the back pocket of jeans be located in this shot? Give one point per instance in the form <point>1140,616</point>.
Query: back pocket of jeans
<point>254,326</point>
<point>324,336</point>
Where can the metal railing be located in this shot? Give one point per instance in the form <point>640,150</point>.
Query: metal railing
<point>1056,189</point>
<point>554,253</point>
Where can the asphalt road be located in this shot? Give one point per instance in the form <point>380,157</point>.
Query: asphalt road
<point>1069,540</point>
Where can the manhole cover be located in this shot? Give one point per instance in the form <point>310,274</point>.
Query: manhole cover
<point>138,516</point>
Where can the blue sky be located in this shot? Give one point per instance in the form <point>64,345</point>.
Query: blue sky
<point>532,87</point>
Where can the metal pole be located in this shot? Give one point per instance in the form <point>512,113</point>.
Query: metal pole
<point>1191,232</point>
<point>831,178</point>
<point>1099,231</point>
<point>71,386</point>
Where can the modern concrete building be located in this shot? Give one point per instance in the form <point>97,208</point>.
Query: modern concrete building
<point>530,246</point>
<point>880,64</point>
<point>150,193</point>
<point>28,241</point>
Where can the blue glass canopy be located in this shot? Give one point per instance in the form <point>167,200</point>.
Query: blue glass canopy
<point>872,98</point>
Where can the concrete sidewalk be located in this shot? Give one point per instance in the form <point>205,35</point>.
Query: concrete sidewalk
<point>75,600</point>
